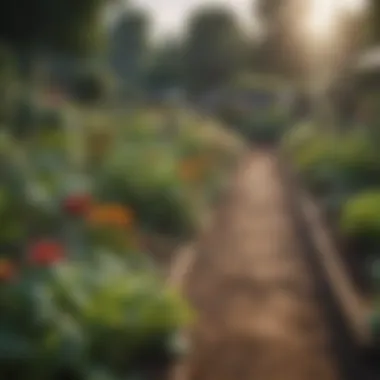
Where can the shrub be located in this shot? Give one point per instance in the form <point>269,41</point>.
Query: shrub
<point>361,216</point>
<point>90,87</point>
<point>66,319</point>
<point>299,136</point>
<point>24,118</point>
<point>348,163</point>
<point>358,162</point>
<point>315,163</point>
<point>265,126</point>
<point>51,119</point>
<point>147,180</point>
<point>76,292</point>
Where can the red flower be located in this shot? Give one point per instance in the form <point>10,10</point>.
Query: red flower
<point>45,253</point>
<point>77,204</point>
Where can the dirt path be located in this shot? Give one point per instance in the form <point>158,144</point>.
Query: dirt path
<point>258,318</point>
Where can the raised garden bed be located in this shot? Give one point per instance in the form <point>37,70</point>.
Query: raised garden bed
<point>353,308</point>
<point>81,242</point>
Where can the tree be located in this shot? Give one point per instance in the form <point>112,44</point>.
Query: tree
<point>375,20</point>
<point>281,20</point>
<point>214,49</point>
<point>129,47</point>
<point>70,26</point>
<point>165,70</point>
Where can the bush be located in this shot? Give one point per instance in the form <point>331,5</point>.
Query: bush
<point>166,178</point>
<point>348,162</point>
<point>147,180</point>
<point>90,87</point>
<point>358,162</point>
<point>361,216</point>
<point>315,161</point>
<point>51,119</point>
<point>24,118</point>
<point>69,318</point>
<point>76,292</point>
<point>299,136</point>
<point>266,127</point>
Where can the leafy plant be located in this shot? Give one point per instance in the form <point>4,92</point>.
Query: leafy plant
<point>361,215</point>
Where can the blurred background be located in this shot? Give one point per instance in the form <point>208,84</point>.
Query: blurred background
<point>121,122</point>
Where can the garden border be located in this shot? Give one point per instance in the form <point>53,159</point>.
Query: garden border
<point>181,266</point>
<point>184,259</point>
<point>343,310</point>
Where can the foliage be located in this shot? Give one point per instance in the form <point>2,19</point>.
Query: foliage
<point>62,25</point>
<point>90,86</point>
<point>78,294</point>
<point>343,171</point>
<point>165,70</point>
<point>266,126</point>
<point>164,173</point>
<point>361,215</point>
<point>8,80</point>
<point>129,47</point>
<point>349,161</point>
<point>150,185</point>
<point>214,49</point>
<point>68,318</point>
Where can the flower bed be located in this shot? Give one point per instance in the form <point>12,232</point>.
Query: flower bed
<point>80,295</point>
<point>343,175</point>
<point>255,108</point>
<point>169,176</point>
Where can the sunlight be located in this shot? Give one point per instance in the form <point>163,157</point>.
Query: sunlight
<point>322,17</point>
<point>353,6</point>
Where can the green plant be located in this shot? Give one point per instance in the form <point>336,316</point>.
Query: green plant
<point>77,295</point>
<point>123,312</point>
<point>265,125</point>
<point>90,86</point>
<point>71,317</point>
<point>298,136</point>
<point>51,119</point>
<point>147,181</point>
<point>357,161</point>
<point>361,216</point>
<point>39,340</point>
<point>347,163</point>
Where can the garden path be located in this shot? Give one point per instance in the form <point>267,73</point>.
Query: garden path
<point>258,315</point>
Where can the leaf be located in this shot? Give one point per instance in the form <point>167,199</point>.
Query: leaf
<point>14,346</point>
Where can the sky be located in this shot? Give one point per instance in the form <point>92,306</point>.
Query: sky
<point>169,15</point>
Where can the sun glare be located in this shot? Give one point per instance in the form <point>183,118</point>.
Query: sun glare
<point>353,5</point>
<point>321,17</point>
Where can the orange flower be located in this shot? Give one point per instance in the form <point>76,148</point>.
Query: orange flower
<point>112,215</point>
<point>193,168</point>
<point>7,270</point>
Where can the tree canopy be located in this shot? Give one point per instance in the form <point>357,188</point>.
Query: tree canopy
<point>165,69</point>
<point>64,25</point>
<point>129,45</point>
<point>214,48</point>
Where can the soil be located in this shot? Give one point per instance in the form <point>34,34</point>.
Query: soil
<point>258,316</point>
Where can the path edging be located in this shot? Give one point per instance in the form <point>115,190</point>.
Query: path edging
<point>307,213</point>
